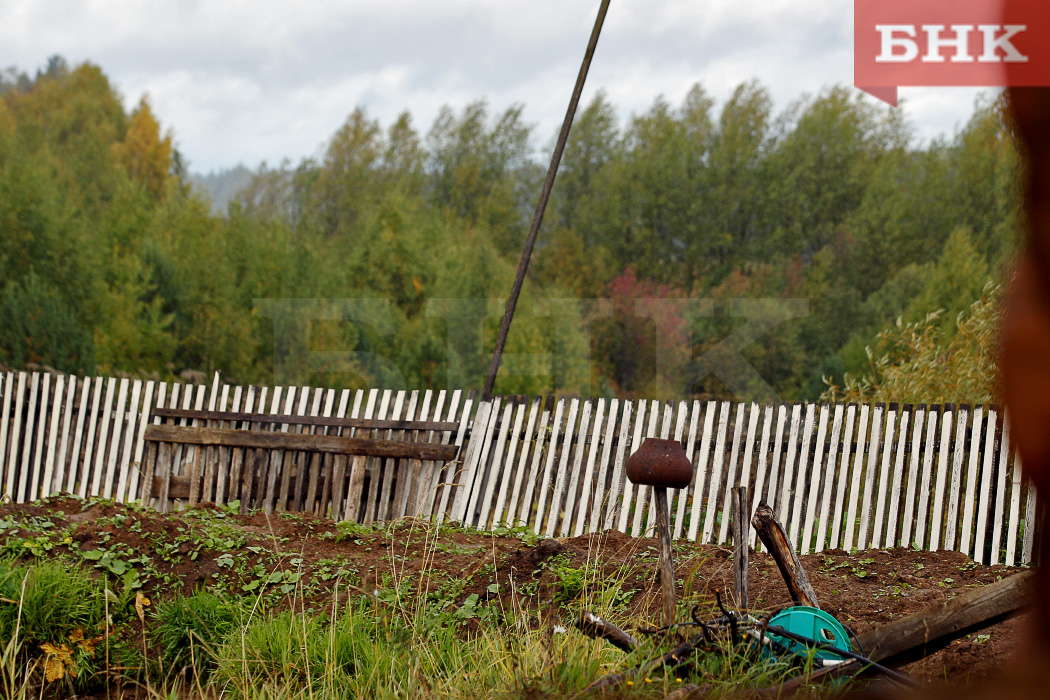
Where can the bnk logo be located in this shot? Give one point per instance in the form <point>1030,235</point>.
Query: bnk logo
<point>950,42</point>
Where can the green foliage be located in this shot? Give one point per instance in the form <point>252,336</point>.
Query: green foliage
<point>920,361</point>
<point>112,263</point>
<point>189,629</point>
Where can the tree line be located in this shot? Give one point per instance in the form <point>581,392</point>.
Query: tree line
<point>686,251</point>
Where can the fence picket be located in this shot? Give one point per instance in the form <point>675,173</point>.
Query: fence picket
<point>800,476</point>
<point>788,471</point>
<point>1000,492</point>
<point>53,438</point>
<point>701,470</point>
<point>717,465</point>
<point>870,472</point>
<point>898,478</point>
<point>571,498</point>
<point>966,541</point>
<point>844,475</point>
<point>987,474</point>
<point>527,441</point>
<point>601,481</point>
<point>815,482</point>
<point>885,475</point>
<point>1013,527</point>
<point>734,454</point>
<point>830,470</point>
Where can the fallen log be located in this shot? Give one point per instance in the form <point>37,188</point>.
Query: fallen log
<point>921,634</point>
<point>775,540</point>
<point>598,628</point>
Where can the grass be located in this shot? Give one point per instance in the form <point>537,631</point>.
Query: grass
<point>410,637</point>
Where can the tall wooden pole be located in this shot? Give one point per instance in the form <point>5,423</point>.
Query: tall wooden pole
<point>663,527</point>
<point>541,206</point>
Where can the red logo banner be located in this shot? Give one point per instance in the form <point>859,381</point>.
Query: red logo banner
<point>982,43</point>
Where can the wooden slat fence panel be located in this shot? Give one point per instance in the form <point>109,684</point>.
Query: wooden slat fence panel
<point>850,476</point>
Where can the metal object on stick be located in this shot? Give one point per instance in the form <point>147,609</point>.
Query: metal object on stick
<point>662,464</point>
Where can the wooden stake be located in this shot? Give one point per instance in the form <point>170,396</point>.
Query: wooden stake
<point>663,526</point>
<point>740,535</point>
<point>771,532</point>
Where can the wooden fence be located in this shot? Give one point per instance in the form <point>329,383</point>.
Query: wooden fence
<point>838,476</point>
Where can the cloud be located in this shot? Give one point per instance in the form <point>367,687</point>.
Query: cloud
<point>247,81</point>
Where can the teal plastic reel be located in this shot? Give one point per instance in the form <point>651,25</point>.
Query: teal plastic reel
<point>814,624</point>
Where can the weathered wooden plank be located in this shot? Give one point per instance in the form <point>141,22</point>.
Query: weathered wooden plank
<point>815,481</point>
<point>920,634</point>
<point>355,486</point>
<point>149,470</point>
<point>511,479</point>
<point>832,468</point>
<point>166,461</point>
<point>772,490</point>
<point>53,437</point>
<point>636,440</point>
<point>421,474</point>
<point>561,477</point>
<point>114,445</point>
<point>855,481</point>
<point>717,466</point>
<point>129,441</point>
<point>1000,492</point>
<point>690,491</point>
<point>310,465</point>
<point>1013,534</point>
<point>908,516</point>
<point>926,482</point>
<point>763,467</point>
<point>40,444</point>
<point>1030,524</point>
<point>292,462</point>
<point>5,417</point>
<point>510,517</point>
<point>16,438</point>
<point>78,435</point>
<point>472,484</point>
<point>572,497</point>
<point>951,520</point>
<point>587,490</point>
<point>596,490</point>
<point>937,517</point>
<point>800,477</point>
<point>784,508</point>
<point>388,467</point>
<point>681,496</point>
<point>898,478</point>
<point>500,470</point>
<point>548,466</point>
<point>885,475</point>
<point>867,503</point>
<point>699,480</point>
<point>731,475</point>
<point>409,470</point>
<point>987,475</point>
<point>972,475</point>
<point>336,486</point>
<point>844,477</point>
<point>62,463</point>
<point>188,435</point>
<point>454,469</point>
<point>195,454</point>
<point>295,419</point>
<point>27,442</point>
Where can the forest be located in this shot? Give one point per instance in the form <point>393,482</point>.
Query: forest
<point>739,252</point>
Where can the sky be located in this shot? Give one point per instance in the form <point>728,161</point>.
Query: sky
<point>252,81</point>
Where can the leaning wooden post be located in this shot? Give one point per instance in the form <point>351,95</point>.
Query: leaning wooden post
<point>662,464</point>
<point>740,532</point>
<point>773,537</point>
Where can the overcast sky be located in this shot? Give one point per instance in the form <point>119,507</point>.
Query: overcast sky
<point>246,81</point>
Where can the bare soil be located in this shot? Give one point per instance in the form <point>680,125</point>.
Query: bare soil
<point>220,549</point>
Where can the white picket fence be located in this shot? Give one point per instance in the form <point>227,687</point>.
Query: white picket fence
<point>838,476</point>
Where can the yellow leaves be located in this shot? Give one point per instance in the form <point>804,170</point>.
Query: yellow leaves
<point>141,602</point>
<point>58,659</point>
<point>58,662</point>
<point>144,153</point>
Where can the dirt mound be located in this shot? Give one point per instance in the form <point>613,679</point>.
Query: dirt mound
<point>289,558</point>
